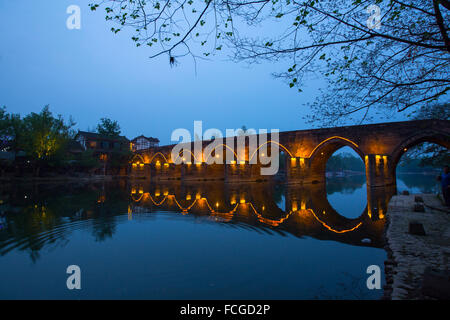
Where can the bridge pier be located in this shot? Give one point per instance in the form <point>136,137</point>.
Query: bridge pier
<point>299,170</point>
<point>378,171</point>
<point>163,171</point>
<point>139,171</point>
<point>202,172</point>
<point>378,200</point>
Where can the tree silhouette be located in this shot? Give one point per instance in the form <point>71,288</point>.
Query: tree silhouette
<point>108,127</point>
<point>378,57</point>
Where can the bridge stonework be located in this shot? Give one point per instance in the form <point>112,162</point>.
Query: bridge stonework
<point>306,153</point>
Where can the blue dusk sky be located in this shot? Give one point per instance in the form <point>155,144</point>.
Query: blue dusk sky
<point>92,73</point>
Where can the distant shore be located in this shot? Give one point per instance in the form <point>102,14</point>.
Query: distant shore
<point>347,173</point>
<point>425,173</point>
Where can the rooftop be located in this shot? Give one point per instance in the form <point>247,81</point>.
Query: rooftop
<point>97,136</point>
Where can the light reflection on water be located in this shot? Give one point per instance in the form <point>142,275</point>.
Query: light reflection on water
<point>199,241</point>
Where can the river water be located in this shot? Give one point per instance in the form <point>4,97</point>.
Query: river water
<point>141,240</point>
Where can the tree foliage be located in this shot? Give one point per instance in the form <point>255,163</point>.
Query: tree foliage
<point>87,160</point>
<point>428,154</point>
<point>45,136</point>
<point>11,130</point>
<point>108,127</point>
<point>47,141</point>
<point>345,161</point>
<point>4,126</point>
<point>3,121</point>
<point>402,65</point>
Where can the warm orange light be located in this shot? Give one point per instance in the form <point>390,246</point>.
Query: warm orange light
<point>330,138</point>
<point>233,162</point>
<point>267,142</point>
<point>294,205</point>
<point>158,153</point>
<point>198,196</point>
<point>242,200</point>
<point>330,228</point>
<point>188,197</point>
<point>157,194</point>
<point>217,156</point>
<point>242,162</point>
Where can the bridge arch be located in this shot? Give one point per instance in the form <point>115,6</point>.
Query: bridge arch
<point>158,156</point>
<point>431,136</point>
<point>267,142</point>
<point>207,154</point>
<point>137,158</point>
<point>385,171</point>
<point>324,150</point>
<point>191,155</point>
<point>137,163</point>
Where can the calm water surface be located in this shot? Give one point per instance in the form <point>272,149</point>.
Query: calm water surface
<point>136,240</point>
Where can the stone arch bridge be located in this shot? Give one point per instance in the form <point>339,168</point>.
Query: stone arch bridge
<point>306,153</point>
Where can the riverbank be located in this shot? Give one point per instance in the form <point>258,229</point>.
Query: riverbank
<point>417,266</point>
<point>57,179</point>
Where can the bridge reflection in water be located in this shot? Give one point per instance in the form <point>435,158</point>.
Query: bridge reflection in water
<point>35,217</point>
<point>300,211</point>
